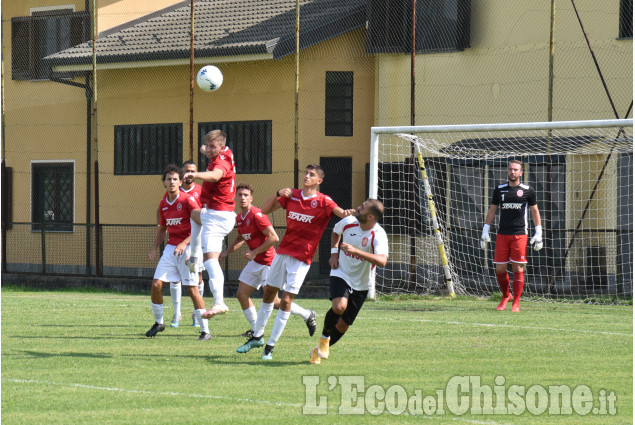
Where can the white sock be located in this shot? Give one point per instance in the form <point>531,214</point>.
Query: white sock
<point>263,316</point>
<point>251,314</point>
<point>278,326</point>
<point>325,337</point>
<point>195,241</point>
<point>175,294</point>
<point>216,279</point>
<point>201,288</point>
<point>204,322</point>
<point>299,311</point>
<point>157,311</point>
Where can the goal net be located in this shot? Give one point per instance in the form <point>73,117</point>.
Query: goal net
<point>436,183</point>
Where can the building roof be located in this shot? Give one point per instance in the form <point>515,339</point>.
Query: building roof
<point>222,28</point>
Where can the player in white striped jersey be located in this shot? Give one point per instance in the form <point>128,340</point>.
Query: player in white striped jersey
<point>364,245</point>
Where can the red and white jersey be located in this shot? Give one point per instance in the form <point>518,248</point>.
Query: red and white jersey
<point>306,220</point>
<point>354,270</point>
<point>219,195</point>
<point>250,227</point>
<point>176,216</point>
<point>194,192</point>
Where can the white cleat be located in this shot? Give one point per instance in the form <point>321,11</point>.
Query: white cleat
<point>215,310</point>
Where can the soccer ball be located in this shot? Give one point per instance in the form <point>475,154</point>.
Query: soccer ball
<point>209,78</point>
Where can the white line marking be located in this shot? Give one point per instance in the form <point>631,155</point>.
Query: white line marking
<point>494,325</point>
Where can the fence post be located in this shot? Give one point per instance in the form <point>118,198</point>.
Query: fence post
<point>43,241</point>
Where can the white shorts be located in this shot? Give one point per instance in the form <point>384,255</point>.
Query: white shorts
<point>287,273</point>
<point>215,226</point>
<point>172,268</point>
<point>254,274</point>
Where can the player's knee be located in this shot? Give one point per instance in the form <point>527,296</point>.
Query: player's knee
<point>157,285</point>
<point>339,307</point>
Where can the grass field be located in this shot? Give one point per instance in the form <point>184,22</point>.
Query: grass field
<point>82,358</point>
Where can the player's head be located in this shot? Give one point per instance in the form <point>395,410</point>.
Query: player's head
<point>215,141</point>
<point>172,178</point>
<point>514,170</point>
<point>371,209</point>
<point>189,167</point>
<point>313,175</point>
<point>244,195</point>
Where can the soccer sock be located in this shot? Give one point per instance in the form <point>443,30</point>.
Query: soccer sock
<point>251,314</point>
<point>278,326</point>
<point>263,316</point>
<point>201,288</point>
<point>299,311</point>
<point>204,322</point>
<point>503,282</point>
<point>330,320</point>
<point>195,241</point>
<point>216,279</point>
<point>519,282</point>
<point>175,294</point>
<point>157,310</point>
<point>335,336</point>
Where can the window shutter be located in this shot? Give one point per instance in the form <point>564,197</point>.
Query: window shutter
<point>20,48</point>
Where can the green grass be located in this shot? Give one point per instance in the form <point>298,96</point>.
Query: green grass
<point>82,358</point>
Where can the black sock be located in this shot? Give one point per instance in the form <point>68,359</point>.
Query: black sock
<point>335,336</point>
<point>268,348</point>
<point>330,320</point>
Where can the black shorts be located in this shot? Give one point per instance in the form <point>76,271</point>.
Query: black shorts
<point>340,289</point>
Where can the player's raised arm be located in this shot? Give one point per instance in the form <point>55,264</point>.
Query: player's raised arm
<point>272,203</point>
<point>341,213</point>
<point>207,176</point>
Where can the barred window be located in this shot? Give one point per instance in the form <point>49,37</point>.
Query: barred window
<point>52,196</point>
<point>338,117</point>
<point>250,141</point>
<point>41,34</point>
<point>147,148</point>
<point>626,18</point>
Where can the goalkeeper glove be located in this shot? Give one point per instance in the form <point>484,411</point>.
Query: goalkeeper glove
<point>485,239</point>
<point>536,241</point>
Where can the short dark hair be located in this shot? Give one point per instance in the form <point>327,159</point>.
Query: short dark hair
<point>376,208</point>
<point>188,162</point>
<point>245,186</point>
<point>317,169</point>
<point>172,168</point>
<point>519,162</point>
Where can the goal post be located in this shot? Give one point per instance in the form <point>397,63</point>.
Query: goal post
<point>436,183</point>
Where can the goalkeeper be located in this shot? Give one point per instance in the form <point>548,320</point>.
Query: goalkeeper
<point>513,198</point>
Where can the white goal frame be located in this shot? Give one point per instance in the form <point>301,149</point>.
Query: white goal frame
<point>377,131</point>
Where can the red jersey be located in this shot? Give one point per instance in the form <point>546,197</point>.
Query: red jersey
<point>250,227</point>
<point>219,195</point>
<point>176,216</point>
<point>194,192</point>
<point>306,220</point>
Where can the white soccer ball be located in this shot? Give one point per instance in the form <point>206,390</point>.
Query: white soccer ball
<point>209,78</point>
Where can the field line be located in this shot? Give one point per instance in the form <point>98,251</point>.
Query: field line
<point>495,325</point>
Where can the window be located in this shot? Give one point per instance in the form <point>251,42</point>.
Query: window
<point>250,141</point>
<point>52,196</point>
<point>41,34</point>
<point>338,120</point>
<point>626,18</point>
<point>441,25</point>
<point>147,148</point>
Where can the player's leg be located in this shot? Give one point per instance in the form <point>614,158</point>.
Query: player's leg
<point>190,281</point>
<point>296,271</point>
<point>175,295</point>
<point>156,297</point>
<point>501,259</point>
<point>195,240</point>
<point>201,289</point>
<point>519,259</point>
<point>216,225</point>
<point>307,315</point>
<point>244,299</point>
<point>339,293</point>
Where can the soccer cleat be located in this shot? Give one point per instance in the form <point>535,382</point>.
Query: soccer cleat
<point>175,321</point>
<point>248,334</point>
<point>192,264</point>
<point>155,329</point>
<point>205,336</point>
<point>310,323</point>
<point>515,308</point>
<point>504,301</point>
<point>267,354</point>
<point>215,310</point>
<point>251,343</point>
<point>194,321</point>
<point>315,357</point>
<point>323,348</point>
